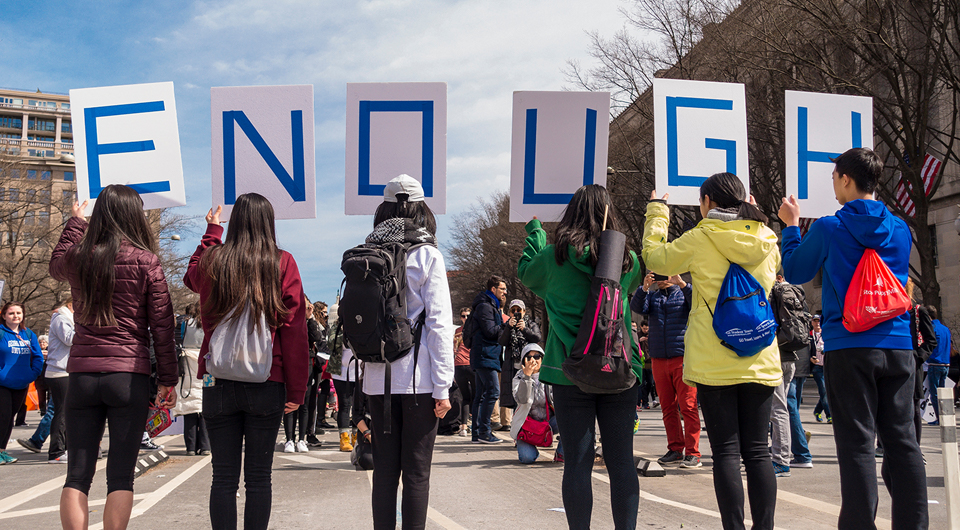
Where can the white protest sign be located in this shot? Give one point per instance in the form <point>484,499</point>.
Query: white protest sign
<point>395,129</point>
<point>559,145</point>
<point>700,129</point>
<point>262,142</point>
<point>820,127</point>
<point>128,135</point>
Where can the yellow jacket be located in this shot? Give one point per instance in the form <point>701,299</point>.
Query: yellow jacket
<point>706,251</point>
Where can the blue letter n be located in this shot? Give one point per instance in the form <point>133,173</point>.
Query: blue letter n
<point>295,186</point>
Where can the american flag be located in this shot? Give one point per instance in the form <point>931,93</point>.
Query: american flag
<point>931,166</point>
<point>805,223</point>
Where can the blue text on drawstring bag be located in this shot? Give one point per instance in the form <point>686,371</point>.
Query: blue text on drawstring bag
<point>743,318</point>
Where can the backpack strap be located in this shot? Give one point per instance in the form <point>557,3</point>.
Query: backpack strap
<point>388,373</point>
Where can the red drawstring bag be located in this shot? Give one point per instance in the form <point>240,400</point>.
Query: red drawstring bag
<point>875,295</point>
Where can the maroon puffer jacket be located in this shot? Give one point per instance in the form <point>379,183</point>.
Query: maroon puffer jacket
<point>141,305</point>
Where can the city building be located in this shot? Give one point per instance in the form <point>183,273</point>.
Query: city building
<point>37,190</point>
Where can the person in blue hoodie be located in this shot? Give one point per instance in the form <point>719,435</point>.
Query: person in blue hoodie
<point>876,366</point>
<point>939,362</point>
<point>20,363</point>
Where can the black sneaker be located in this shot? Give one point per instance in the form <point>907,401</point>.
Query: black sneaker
<point>313,441</point>
<point>491,439</point>
<point>27,443</point>
<point>149,446</point>
<point>495,426</point>
<point>671,458</point>
<point>504,428</point>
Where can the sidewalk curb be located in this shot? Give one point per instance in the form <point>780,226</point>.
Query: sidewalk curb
<point>149,460</point>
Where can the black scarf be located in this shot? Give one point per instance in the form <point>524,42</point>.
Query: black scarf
<point>399,230</point>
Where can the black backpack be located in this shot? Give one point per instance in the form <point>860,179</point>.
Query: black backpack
<point>793,320</point>
<point>373,308</point>
<point>469,330</point>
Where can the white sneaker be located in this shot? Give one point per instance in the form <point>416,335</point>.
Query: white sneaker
<point>302,447</point>
<point>289,447</point>
<point>62,459</point>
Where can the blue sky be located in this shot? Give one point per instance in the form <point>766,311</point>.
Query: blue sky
<point>483,50</point>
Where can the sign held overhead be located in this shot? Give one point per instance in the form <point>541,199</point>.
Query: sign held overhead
<point>262,142</point>
<point>128,135</point>
<point>700,129</point>
<point>559,145</point>
<point>395,129</point>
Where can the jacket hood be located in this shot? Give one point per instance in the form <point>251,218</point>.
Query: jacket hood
<point>869,222</point>
<point>481,298</point>
<point>744,242</point>
<point>581,262</point>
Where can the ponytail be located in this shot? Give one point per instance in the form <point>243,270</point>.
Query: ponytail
<point>727,191</point>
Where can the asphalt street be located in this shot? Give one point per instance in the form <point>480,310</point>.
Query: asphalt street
<point>473,486</point>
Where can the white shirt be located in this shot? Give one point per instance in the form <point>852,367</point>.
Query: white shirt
<point>348,368</point>
<point>426,289</point>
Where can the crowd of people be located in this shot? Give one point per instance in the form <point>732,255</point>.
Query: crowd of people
<point>254,357</point>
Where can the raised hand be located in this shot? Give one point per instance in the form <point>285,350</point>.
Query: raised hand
<point>213,217</point>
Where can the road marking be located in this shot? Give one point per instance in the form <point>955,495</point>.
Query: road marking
<point>40,489</point>
<point>432,514</point>
<point>56,508</point>
<point>152,498</point>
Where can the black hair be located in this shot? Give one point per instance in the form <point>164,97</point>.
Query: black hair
<point>727,191</point>
<point>933,312</point>
<point>862,165</point>
<point>418,211</point>
<point>582,223</point>
<point>494,281</point>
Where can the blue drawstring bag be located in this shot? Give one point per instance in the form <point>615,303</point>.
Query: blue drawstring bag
<point>743,318</point>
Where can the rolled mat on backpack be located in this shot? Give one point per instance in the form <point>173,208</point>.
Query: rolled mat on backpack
<point>610,258</point>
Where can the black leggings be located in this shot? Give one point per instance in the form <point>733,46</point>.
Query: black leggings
<point>737,418</point>
<point>93,399</point>
<point>464,377</point>
<point>344,403</point>
<point>10,402</point>
<point>308,412</point>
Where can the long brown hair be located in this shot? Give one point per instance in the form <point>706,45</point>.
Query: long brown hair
<point>117,217</point>
<point>246,267</point>
<point>582,223</point>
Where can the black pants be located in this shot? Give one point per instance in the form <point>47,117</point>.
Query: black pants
<point>93,399</point>
<point>59,387</point>
<point>322,403</point>
<point>308,411</point>
<point>10,402</point>
<point>578,413</point>
<point>871,395</point>
<point>647,388</point>
<point>344,403</point>
<point>737,418</point>
<point>242,421</point>
<point>194,433</point>
<point>465,379</point>
<point>290,426</point>
<point>406,453</point>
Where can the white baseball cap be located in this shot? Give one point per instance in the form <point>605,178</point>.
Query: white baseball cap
<point>403,184</point>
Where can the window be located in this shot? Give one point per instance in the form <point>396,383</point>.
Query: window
<point>43,218</point>
<point>13,196</point>
<point>31,196</point>
<point>65,106</point>
<point>31,174</point>
<point>44,175</point>
<point>29,218</point>
<point>11,122</point>
<point>66,126</point>
<point>67,197</point>
<point>68,176</point>
<point>28,240</point>
<point>43,196</point>
<point>36,124</point>
<point>14,173</point>
<point>11,101</point>
<point>3,194</point>
<point>40,153</point>
<point>66,140</point>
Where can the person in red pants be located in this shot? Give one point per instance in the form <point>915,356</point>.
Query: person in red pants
<point>666,303</point>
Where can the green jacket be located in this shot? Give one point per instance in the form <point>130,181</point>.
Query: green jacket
<point>564,289</point>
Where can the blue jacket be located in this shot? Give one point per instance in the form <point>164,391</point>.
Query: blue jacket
<point>941,355</point>
<point>836,243</point>
<point>20,358</point>
<point>667,312</point>
<point>486,349</point>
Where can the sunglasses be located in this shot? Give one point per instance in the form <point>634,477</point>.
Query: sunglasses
<point>537,356</point>
<point>464,315</point>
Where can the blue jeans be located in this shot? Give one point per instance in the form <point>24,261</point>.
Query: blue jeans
<point>43,430</point>
<point>936,378</point>
<point>578,413</point>
<point>822,406</point>
<point>242,423</point>
<point>485,396</point>
<point>528,453</point>
<point>798,439</point>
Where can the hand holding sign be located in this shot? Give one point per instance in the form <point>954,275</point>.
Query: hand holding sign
<point>213,217</point>
<point>78,209</point>
<point>790,211</point>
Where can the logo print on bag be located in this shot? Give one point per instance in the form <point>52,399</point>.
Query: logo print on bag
<point>606,368</point>
<point>879,282</point>
<point>359,319</point>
